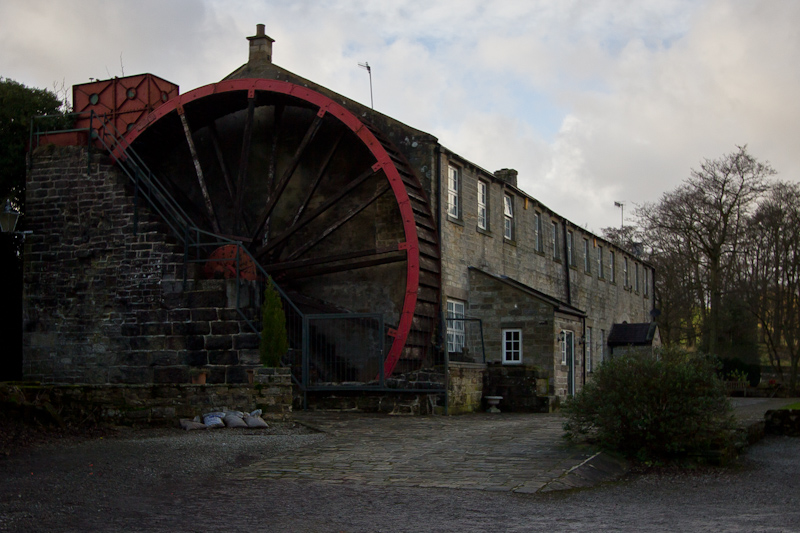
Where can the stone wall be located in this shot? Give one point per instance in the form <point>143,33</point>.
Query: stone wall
<point>783,422</point>
<point>160,404</point>
<point>522,388</point>
<point>465,387</point>
<point>529,259</point>
<point>106,304</point>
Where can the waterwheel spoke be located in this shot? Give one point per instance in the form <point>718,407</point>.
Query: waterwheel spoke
<point>340,222</point>
<point>273,159</point>
<point>212,128</point>
<point>287,175</point>
<point>310,216</point>
<point>317,179</point>
<point>244,160</point>
<point>328,259</point>
<point>395,256</point>
<point>198,170</point>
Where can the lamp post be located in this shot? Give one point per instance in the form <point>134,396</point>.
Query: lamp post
<point>8,218</point>
<point>11,289</point>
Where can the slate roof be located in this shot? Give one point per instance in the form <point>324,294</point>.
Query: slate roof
<point>625,334</point>
<point>560,306</point>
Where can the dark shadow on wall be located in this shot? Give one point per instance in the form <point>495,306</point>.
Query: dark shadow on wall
<point>10,306</point>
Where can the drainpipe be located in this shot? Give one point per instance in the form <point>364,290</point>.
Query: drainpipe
<point>653,292</point>
<point>442,330</point>
<point>566,262</point>
<point>583,372</point>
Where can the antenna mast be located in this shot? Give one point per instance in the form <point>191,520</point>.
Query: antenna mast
<point>365,65</point>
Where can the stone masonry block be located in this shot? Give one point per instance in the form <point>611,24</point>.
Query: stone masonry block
<point>246,341</point>
<point>218,342</point>
<point>223,357</point>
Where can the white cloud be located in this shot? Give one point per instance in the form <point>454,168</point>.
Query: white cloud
<point>590,102</point>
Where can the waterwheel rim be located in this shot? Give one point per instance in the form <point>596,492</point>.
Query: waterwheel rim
<point>239,95</point>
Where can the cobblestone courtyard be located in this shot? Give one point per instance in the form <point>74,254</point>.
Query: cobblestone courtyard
<point>369,473</point>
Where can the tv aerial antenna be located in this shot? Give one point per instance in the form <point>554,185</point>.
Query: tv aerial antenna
<point>365,66</point>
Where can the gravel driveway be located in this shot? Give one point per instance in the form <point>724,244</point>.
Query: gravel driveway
<point>170,480</point>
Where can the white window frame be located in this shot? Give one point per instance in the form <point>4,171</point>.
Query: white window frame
<point>625,271</point>
<point>600,270</point>
<point>602,352</point>
<point>456,336</point>
<point>587,258</point>
<point>567,334</point>
<point>588,349</point>
<point>570,249</point>
<point>646,281</point>
<point>483,202</point>
<point>453,190</point>
<point>508,217</point>
<point>512,347</point>
<point>537,228</point>
<point>636,277</point>
<point>555,240</point>
<point>613,272</point>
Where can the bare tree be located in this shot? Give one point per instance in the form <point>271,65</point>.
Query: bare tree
<point>627,237</point>
<point>701,226</point>
<point>770,270</point>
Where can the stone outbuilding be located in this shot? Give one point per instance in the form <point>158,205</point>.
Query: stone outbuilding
<point>640,339</point>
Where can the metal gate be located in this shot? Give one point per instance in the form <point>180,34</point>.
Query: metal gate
<point>343,351</point>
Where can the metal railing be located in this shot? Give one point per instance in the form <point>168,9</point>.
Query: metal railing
<point>329,351</point>
<point>465,339</point>
<point>341,350</point>
<point>196,242</point>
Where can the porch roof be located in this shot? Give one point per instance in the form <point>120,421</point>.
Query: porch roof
<point>561,307</point>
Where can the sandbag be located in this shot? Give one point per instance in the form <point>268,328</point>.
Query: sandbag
<point>189,425</point>
<point>214,420</point>
<point>255,422</point>
<point>233,421</point>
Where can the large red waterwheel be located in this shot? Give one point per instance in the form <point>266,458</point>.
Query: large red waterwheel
<point>325,204</point>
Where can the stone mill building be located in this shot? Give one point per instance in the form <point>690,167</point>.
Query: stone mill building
<point>156,219</point>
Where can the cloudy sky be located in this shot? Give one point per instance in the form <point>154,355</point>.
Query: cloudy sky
<point>591,101</point>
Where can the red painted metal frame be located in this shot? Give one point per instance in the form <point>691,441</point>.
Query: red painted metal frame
<point>115,104</point>
<point>411,244</point>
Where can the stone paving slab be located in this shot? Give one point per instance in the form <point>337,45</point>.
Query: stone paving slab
<point>506,452</point>
<point>753,409</point>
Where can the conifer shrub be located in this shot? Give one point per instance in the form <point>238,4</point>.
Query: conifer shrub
<point>274,342</point>
<point>653,409</point>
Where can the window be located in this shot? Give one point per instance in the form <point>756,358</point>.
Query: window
<point>537,228</point>
<point>614,267</point>
<point>508,217</point>
<point>512,346</point>
<point>567,346</point>
<point>636,277</point>
<point>600,271</point>
<point>570,258</point>
<point>587,259</point>
<point>625,271</point>
<point>455,328</point>
<point>483,197</point>
<point>588,349</point>
<point>453,188</point>
<point>602,351</point>
<point>555,240</point>
<point>646,282</point>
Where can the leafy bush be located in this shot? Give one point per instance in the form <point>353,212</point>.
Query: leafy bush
<point>733,368</point>
<point>653,409</point>
<point>274,343</point>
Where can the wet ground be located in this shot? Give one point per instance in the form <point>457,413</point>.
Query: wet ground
<point>381,474</point>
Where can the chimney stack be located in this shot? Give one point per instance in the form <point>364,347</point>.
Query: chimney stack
<point>260,46</point>
<point>508,175</point>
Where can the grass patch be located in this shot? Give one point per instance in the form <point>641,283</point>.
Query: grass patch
<point>795,405</point>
